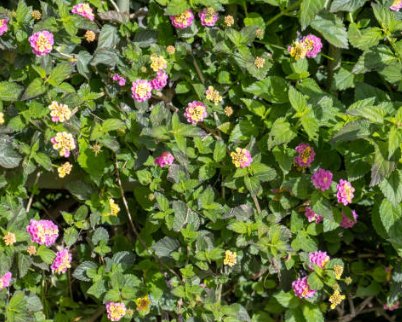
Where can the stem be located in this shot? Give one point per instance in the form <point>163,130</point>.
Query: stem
<point>284,12</point>
<point>198,70</point>
<point>256,203</point>
<point>33,192</point>
<point>124,5</point>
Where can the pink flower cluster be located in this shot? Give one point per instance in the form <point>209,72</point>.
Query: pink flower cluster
<point>345,192</point>
<point>141,90</point>
<point>62,262</point>
<point>322,179</point>
<point>305,155</point>
<point>313,45</point>
<point>115,311</point>
<point>41,42</point>
<point>302,289</point>
<point>5,280</point>
<point>43,232</point>
<point>391,307</point>
<point>318,258</point>
<point>208,17</point>
<point>160,81</point>
<point>195,112</point>
<point>183,20</point>
<point>312,216</point>
<point>84,10</point>
<point>119,79</point>
<point>166,158</point>
<point>396,5</point>
<point>3,26</point>
<point>347,222</point>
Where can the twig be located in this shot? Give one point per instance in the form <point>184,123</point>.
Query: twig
<point>284,12</point>
<point>256,203</point>
<point>33,192</point>
<point>116,7</point>
<point>198,70</point>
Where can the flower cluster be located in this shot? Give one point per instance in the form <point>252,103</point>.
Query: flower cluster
<point>396,5</point>
<point>43,232</point>
<point>158,62</point>
<point>64,143</point>
<point>302,289</point>
<point>305,155</point>
<point>9,239</point>
<point>338,271</point>
<point>166,158</point>
<point>183,20</point>
<point>195,112</point>
<point>5,280</point>
<point>115,311</point>
<point>241,158</point>
<point>208,17</point>
<point>318,258</point>
<point>84,10</point>
<point>59,112</point>
<point>114,207</point>
<point>336,298</point>
<point>143,304</point>
<point>345,192</point>
<point>322,179</point>
<point>3,26</point>
<point>62,262</point>
<point>309,46</point>
<point>90,36</point>
<point>230,258</point>
<point>141,90</point>
<point>64,169</point>
<point>213,95</point>
<point>347,222</point>
<point>160,81</point>
<point>119,79</point>
<point>41,42</point>
<point>312,216</point>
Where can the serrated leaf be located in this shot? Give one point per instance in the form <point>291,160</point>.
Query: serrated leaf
<point>34,89</point>
<point>58,74</point>
<point>10,91</point>
<point>80,271</point>
<point>165,246</point>
<point>308,10</point>
<point>392,187</point>
<point>9,158</point>
<point>346,5</point>
<point>100,234</point>
<point>332,29</point>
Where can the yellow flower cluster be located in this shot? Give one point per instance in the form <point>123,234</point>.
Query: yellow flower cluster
<point>90,36</point>
<point>143,303</point>
<point>230,258</point>
<point>158,62</point>
<point>259,33</point>
<point>59,112</point>
<point>64,169</point>
<point>336,298</point>
<point>228,110</point>
<point>31,250</point>
<point>64,143</point>
<point>229,21</point>
<point>9,239</point>
<point>36,14</point>
<point>298,50</point>
<point>338,270</point>
<point>114,208</point>
<point>1,118</point>
<point>170,49</point>
<point>213,95</point>
<point>259,62</point>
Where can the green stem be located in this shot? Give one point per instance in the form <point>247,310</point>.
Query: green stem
<point>284,12</point>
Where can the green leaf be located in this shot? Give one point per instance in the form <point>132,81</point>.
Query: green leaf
<point>392,187</point>
<point>16,309</point>
<point>70,236</point>
<point>83,60</point>
<point>308,10</point>
<point>382,167</point>
<point>332,29</point>
<point>34,89</point>
<point>297,100</point>
<point>9,91</point>
<point>176,7</point>
<point>394,140</point>
<point>364,38</point>
<point>97,289</point>
<point>108,37</point>
<point>312,312</point>
<point>219,151</point>
<point>252,184</point>
<point>390,215</point>
<point>60,73</point>
<point>23,13</point>
<point>24,263</point>
<point>272,89</point>
<point>100,234</point>
<point>46,254</point>
<point>315,282</point>
<point>9,158</point>
<point>281,133</point>
<point>112,125</point>
<point>346,5</point>
<point>165,246</point>
<point>80,272</point>
<point>286,299</point>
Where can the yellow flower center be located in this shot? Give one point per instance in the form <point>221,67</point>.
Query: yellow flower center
<point>43,43</point>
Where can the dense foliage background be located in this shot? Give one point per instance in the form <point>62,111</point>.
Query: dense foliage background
<point>159,214</point>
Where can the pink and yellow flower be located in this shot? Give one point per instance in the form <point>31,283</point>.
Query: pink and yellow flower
<point>195,112</point>
<point>396,5</point>
<point>208,17</point>
<point>43,232</point>
<point>183,20</point>
<point>322,179</point>
<point>141,90</point>
<point>345,192</point>
<point>84,10</point>
<point>41,42</point>
<point>305,155</point>
<point>313,45</point>
<point>302,289</point>
<point>3,26</point>
<point>5,280</point>
<point>64,169</point>
<point>119,79</point>
<point>347,222</point>
<point>160,81</point>
<point>59,112</point>
<point>318,258</point>
<point>115,311</point>
<point>312,216</point>
<point>166,158</point>
<point>62,262</point>
<point>64,143</point>
<point>158,62</point>
<point>241,158</point>
<point>391,307</point>
<point>213,95</point>
<point>298,50</point>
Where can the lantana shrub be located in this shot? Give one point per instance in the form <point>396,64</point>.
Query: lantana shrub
<point>200,160</point>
